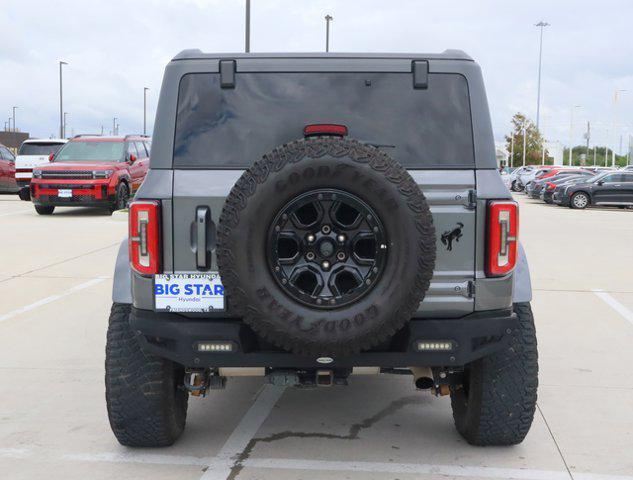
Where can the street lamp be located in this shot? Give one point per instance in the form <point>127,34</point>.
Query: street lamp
<point>62,132</point>
<point>616,96</point>
<point>328,19</point>
<point>541,25</point>
<point>65,113</point>
<point>247,27</point>
<point>571,132</point>
<point>524,143</point>
<point>14,129</point>
<point>145,89</point>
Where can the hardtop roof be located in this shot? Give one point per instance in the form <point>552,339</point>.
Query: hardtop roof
<point>197,54</point>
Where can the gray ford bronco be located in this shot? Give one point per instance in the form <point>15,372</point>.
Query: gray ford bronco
<point>309,217</point>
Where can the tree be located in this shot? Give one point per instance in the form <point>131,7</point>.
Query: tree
<point>534,142</point>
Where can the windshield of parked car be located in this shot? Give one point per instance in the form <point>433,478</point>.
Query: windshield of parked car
<point>234,127</point>
<point>93,151</point>
<point>39,148</point>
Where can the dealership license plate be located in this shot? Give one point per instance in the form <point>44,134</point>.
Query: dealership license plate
<point>63,193</point>
<point>188,292</point>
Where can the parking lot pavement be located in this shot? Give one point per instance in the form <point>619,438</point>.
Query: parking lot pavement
<point>55,280</point>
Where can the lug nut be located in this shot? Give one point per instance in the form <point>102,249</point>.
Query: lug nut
<point>340,256</point>
<point>326,229</point>
<point>310,238</point>
<point>341,238</point>
<point>310,255</point>
<point>325,265</point>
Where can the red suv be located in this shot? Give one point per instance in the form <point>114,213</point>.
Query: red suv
<point>91,171</point>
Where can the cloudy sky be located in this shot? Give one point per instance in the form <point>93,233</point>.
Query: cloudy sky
<point>115,48</point>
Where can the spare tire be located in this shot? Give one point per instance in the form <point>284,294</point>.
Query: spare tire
<point>326,246</point>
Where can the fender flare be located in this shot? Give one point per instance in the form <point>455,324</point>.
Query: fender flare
<point>122,282</point>
<point>522,291</point>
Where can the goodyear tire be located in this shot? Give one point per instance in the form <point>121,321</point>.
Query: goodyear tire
<point>146,405</point>
<point>497,402</point>
<point>373,308</point>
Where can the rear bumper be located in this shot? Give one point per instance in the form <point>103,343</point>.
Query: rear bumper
<point>175,337</point>
<point>560,199</point>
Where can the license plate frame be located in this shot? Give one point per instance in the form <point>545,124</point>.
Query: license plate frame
<point>64,193</point>
<point>189,292</point>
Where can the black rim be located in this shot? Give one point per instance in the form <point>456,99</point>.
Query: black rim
<point>327,248</point>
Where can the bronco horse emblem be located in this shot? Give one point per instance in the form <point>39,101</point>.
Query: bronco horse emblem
<point>449,235</point>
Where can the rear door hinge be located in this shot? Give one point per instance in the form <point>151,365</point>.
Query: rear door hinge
<point>471,289</point>
<point>472,199</point>
<point>227,73</point>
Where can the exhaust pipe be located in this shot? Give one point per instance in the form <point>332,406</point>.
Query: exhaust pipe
<point>422,377</point>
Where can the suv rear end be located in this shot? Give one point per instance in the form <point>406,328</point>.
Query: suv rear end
<point>308,217</point>
<point>91,171</point>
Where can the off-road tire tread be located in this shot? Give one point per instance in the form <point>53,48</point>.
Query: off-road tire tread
<point>144,408</point>
<point>502,401</point>
<point>302,150</point>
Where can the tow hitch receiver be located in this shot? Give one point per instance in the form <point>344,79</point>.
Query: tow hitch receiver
<point>324,378</point>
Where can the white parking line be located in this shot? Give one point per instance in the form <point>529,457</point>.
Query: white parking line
<point>52,298</point>
<point>466,471</point>
<point>220,468</point>
<point>614,304</point>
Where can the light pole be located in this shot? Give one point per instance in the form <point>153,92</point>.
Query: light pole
<point>328,19</point>
<point>145,89</point>
<point>247,28</point>
<point>616,96</point>
<point>61,101</point>
<point>524,143</point>
<point>65,113</point>
<point>571,132</point>
<point>541,25</point>
<point>114,126</point>
<point>14,128</point>
<point>512,150</point>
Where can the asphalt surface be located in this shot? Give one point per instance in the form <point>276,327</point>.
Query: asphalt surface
<point>55,281</point>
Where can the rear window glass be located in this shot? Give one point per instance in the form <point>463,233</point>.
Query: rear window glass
<point>232,128</point>
<point>39,148</point>
<point>93,151</point>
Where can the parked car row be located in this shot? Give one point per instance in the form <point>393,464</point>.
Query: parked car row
<point>87,170</point>
<point>574,187</point>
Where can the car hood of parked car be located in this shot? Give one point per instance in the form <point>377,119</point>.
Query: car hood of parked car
<point>87,165</point>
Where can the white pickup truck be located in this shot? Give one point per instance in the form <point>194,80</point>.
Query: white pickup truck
<point>33,153</point>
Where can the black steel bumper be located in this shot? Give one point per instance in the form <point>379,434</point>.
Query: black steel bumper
<point>175,337</point>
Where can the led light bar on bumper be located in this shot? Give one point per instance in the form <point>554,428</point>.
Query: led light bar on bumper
<point>503,240</point>
<point>144,236</point>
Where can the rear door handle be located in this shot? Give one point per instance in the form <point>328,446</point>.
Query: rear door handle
<point>203,217</point>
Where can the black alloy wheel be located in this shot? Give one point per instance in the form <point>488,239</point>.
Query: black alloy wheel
<point>327,248</point>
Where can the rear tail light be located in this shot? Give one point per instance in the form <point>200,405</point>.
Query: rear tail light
<point>324,129</point>
<point>503,231</point>
<point>144,236</point>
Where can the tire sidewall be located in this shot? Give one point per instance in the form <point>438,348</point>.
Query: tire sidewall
<point>268,308</point>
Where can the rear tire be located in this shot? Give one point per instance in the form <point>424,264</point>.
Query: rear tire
<point>497,402</point>
<point>43,210</point>
<point>146,405</point>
